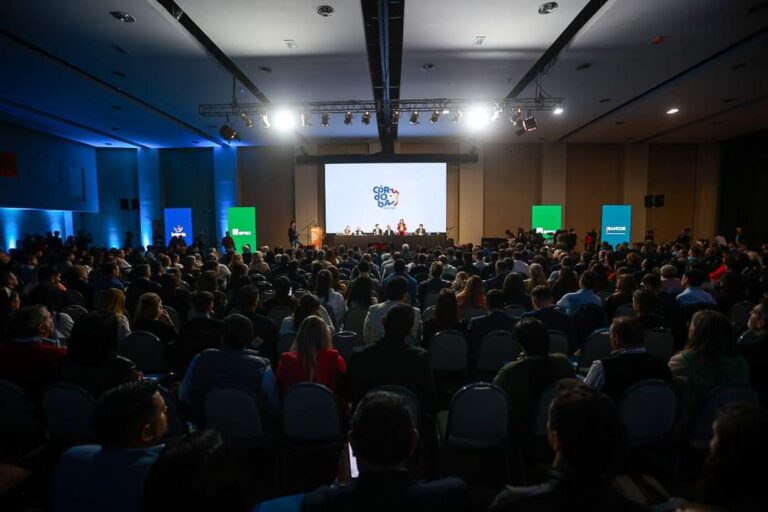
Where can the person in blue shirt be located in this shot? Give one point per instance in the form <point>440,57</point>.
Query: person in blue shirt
<point>693,294</point>
<point>129,422</point>
<point>571,302</point>
<point>231,365</point>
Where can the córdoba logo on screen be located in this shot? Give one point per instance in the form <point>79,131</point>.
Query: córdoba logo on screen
<point>386,197</point>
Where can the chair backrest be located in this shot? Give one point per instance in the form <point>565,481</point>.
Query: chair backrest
<point>497,348</point>
<point>75,311</point>
<point>717,399</point>
<point>471,313</point>
<point>428,313</point>
<point>345,342</point>
<point>146,350</point>
<point>354,320</point>
<point>448,351</point>
<point>235,413</point>
<point>68,411</point>
<point>311,413</point>
<point>558,342</point>
<point>659,343</point>
<point>541,413</point>
<point>596,346</point>
<point>648,410</point>
<point>173,315</point>
<point>284,343</point>
<point>430,299</point>
<point>411,400</point>
<point>514,310</point>
<point>477,417</point>
<point>625,310</point>
<point>277,314</point>
<point>17,410</point>
<point>588,318</point>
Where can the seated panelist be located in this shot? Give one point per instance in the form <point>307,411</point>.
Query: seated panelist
<point>389,231</point>
<point>420,230</point>
<point>377,231</point>
<point>359,231</point>
<point>347,230</point>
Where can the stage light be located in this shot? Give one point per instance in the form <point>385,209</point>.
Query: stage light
<point>414,119</point>
<point>306,119</point>
<point>529,123</point>
<point>228,132</point>
<point>284,120</point>
<point>395,117</point>
<point>496,114</point>
<point>247,120</point>
<point>558,110</point>
<point>324,120</point>
<point>264,119</point>
<point>435,117</point>
<point>366,118</point>
<point>348,117</point>
<point>516,118</point>
<point>457,117</point>
<point>477,118</point>
<point>673,110</point>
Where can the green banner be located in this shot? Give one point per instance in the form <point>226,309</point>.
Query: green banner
<point>241,223</point>
<point>546,218</point>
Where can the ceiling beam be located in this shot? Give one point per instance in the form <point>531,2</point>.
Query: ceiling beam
<point>108,85</point>
<point>549,56</point>
<point>383,24</point>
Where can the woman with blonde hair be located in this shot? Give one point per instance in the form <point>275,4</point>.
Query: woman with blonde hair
<point>258,264</point>
<point>537,277</point>
<point>151,317</point>
<point>460,281</point>
<point>312,358</point>
<point>112,302</point>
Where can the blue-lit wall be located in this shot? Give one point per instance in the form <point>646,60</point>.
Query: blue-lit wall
<point>188,182</point>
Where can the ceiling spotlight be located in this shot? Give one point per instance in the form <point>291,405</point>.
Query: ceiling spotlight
<point>517,118</point>
<point>395,117</point>
<point>414,119</point>
<point>477,118</point>
<point>457,116</point>
<point>306,119</point>
<point>435,117</point>
<point>548,7</point>
<point>264,119</point>
<point>284,120</point>
<point>228,132</point>
<point>529,123</point>
<point>326,11</point>
<point>366,118</point>
<point>673,110</point>
<point>496,114</point>
<point>324,118</point>
<point>558,110</point>
<point>122,16</point>
<point>247,120</point>
<point>348,117</point>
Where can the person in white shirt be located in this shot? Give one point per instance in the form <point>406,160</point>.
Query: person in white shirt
<point>328,297</point>
<point>397,291</point>
<point>520,267</point>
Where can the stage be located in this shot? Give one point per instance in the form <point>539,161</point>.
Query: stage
<point>429,241</point>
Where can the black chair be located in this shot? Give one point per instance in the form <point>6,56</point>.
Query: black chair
<point>497,348</point>
<point>558,342</point>
<point>236,414</point>
<point>727,394</point>
<point>448,351</point>
<point>354,320</point>
<point>648,410</point>
<point>345,342</point>
<point>21,429</point>
<point>146,350</point>
<point>588,318</point>
<point>596,346</point>
<point>68,411</point>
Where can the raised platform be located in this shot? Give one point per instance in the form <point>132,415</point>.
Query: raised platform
<point>395,242</point>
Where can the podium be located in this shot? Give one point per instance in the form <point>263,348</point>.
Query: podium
<point>316,237</point>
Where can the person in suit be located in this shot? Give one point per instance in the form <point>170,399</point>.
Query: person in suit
<point>396,290</point>
<point>389,231</point>
<point>434,284</point>
<point>549,314</point>
<point>628,363</point>
<point>497,281</point>
<point>293,235</point>
<point>495,320</point>
<point>420,230</point>
<point>199,333</point>
<point>392,361</point>
<point>383,437</point>
<point>377,230</point>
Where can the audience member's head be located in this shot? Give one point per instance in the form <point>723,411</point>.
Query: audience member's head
<point>514,285</point>
<point>668,272</point>
<point>626,332</point>
<point>132,415</point>
<point>282,287</point>
<point>383,433</point>
<point>398,322</point>
<point>472,294</point>
<point>758,318</point>
<point>32,322</point>
<point>308,305</point>
<point>533,337</point>
<point>194,473</point>
<point>694,278</point>
<point>541,296</point>
<point>585,430</point>
<point>396,289</point>
<point>447,308</point>
<point>112,301</point>
<point>645,302</point>
<point>436,270</point>
<point>93,338</point>
<point>710,335</point>
<point>652,282</point>
<point>588,280</point>
<point>312,337</point>
<point>237,333</point>
<point>495,300</point>
<point>149,307</point>
<point>202,302</point>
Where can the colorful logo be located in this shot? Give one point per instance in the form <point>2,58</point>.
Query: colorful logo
<point>178,231</point>
<point>386,197</point>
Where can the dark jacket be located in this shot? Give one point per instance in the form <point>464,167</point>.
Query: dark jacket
<point>556,320</point>
<point>195,335</point>
<point>624,370</point>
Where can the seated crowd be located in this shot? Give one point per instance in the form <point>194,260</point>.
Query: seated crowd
<point>188,359</point>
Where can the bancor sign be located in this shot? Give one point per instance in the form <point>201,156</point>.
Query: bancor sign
<point>617,223</point>
<point>178,224</point>
<point>241,224</point>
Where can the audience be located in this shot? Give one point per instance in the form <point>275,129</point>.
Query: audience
<point>199,333</point>
<point>151,317</point>
<point>112,302</point>
<point>330,298</point>
<point>753,346</point>
<point>396,290</point>
<point>307,306</point>
<point>693,294</point>
<point>446,317</point>
<point>571,302</point>
<point>471,297</point>
<point>495,320</point>
<point>549,314</point>
<point>130,423</point>
<point>514,291</point>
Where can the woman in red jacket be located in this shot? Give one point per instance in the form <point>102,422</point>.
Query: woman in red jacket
<point>312,358</point>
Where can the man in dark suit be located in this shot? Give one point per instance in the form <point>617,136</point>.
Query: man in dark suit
<point>391,360</point>
<point>497,281</point>
<point>629,363</point>
<point>263,327</point>
<point>434,284</point>
<point>546,311</point>
<point>199,333</point>
<point>383,437</point>
<point>496,320</point>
